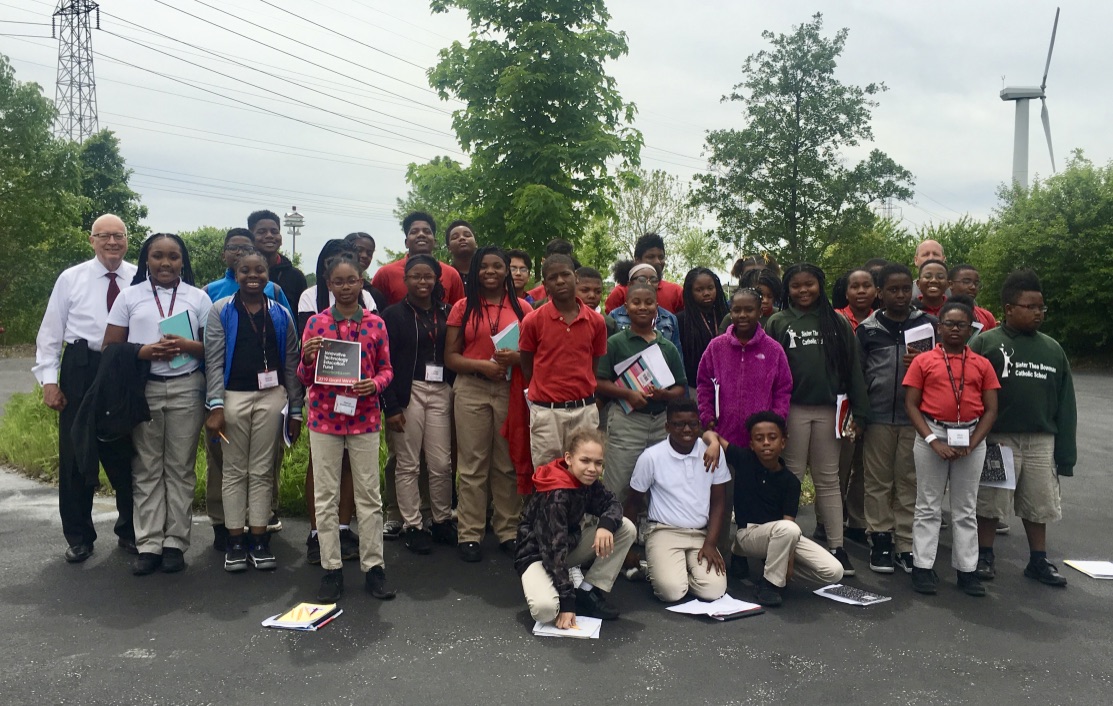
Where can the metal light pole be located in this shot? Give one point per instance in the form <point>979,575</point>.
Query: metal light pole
<point>294,221</point>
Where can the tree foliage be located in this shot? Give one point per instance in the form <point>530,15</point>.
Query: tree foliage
<point>782,183</point>
<point>543,121</point>
<point>959,238</point>
<point>1062,228</point>
<point>652,202</point>
<point>206,253</point>
<point>104,183</point>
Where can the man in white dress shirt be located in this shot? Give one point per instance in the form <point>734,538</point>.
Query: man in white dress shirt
<point>66,359</point>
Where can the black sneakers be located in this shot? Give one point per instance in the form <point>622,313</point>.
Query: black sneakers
<point>274,524</point>
<point>969,583</point>
<point>470,552</point>
<point>349,545</point>
<point>924,581</point>
<point>903,560</point>
<point>418,540</point>
<point>259,553</point>
<point>881,553</point>
<point>313,549</point>
<point>985,570</point>
<point>444,533</point>
<point>509,547</point>
<point>235,554</point>
<point>332,586</point>
<point>375,584</point>
<point>594,604</point>
<point>146,563</point>
<point>844,559</point>
<point>768,594</point>
<point>173,560</point>
<point>1045,572</point>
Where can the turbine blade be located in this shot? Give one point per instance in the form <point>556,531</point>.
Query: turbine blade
<point>1050,48</point>
<point>1047,132</point>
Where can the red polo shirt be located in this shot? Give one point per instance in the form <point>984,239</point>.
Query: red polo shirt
<point>563,354</point>
<point>669,296</point>
<point>484,324</point>
<point>928,372</point>
<point>537,293</point>
<point>391,281</point>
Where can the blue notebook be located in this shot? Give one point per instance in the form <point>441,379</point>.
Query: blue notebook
<point>178,325</point>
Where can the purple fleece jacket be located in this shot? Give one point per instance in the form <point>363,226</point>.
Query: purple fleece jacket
<point>752,378</point>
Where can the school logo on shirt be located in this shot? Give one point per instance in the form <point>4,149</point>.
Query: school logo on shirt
<point>1008,357</point>
<point>807,338</point>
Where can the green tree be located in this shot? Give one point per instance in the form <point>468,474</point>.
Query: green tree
<point>104,183</point>
<point>1062,228</point>
<point>206,253</point>
<point>543,122</point>
<point>782,184</point>
<point>887,238</point>
<point>959,238</point>
<point>40,204</point>
<point>597,248</point>
<point>652,202</point>
<point>442,188</point>
<point>693,247</point>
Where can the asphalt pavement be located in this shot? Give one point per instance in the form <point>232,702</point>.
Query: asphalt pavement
<point>460,633</point>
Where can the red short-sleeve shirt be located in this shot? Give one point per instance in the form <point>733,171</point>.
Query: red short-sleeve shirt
<point>391,281</point>
<point>928,372</point>
<point>563,353</point>
<point>483,325</point>
<point>670,296</point>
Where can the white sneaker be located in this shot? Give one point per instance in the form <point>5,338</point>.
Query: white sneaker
<point>576,575</point>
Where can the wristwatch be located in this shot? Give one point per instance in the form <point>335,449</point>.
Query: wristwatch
<point>930,438</point>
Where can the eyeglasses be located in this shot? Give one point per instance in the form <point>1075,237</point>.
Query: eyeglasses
<point>646,279</point>
<point>955,324</point>
<point>1034,308</point>
<point>519,270</point>
<point>422,277</point>
<point>969,282</point>
<point>350,282</point>
<point>238,248</point>
<point>117,237</point>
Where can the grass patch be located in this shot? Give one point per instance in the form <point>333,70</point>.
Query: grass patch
<point>29,442</point>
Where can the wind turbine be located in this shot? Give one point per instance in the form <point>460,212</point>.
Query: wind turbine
<point>1023,94</point>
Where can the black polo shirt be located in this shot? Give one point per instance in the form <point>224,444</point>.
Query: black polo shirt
<point>761,495</point>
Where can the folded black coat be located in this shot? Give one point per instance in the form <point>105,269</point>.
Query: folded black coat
<point>115,404</point>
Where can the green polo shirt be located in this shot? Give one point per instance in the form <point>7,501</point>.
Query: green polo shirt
<point>625,344</point>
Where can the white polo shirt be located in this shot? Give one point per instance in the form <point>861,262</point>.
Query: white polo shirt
<point>308,302</point>
<point>135,310</point>
<point>678,485</point>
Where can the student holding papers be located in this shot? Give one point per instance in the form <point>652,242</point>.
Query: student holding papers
<point>553,537</point>
<point>890,471</point>
<point>643,370</point>
<point>686,507</point>
<point>1038,421</point>
<point>481,396</point>
<point>163,476</point>
<point>766,500</point>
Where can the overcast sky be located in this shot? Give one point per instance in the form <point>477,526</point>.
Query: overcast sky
<point>211,153</point>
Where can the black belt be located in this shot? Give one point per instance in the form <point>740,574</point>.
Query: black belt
<point>574,404</point>
<point>168,378</point>
<point>954,425</point>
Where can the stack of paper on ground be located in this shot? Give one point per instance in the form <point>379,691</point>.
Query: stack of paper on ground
<point>726,608</point>
<point>850,595</point>
<point>643,371</point>
<point>304,616</point>
<point>586,628</point>
<point>1093,569</point>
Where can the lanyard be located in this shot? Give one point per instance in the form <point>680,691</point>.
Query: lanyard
<point>707,323</point>
<point>494,325</point>
<point>262,336</point>
<point>336,317</point>
<point>956,389</point>
<point>430,332</point>
<point>173,298</point>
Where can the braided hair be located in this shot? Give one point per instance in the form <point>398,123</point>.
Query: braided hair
<point>833,328</point>
<point>764,277</point>
<point>335,248</point>
<point>694,337</point>
<point>437,295</point>
<point>472,294</point>
<point>141,272</point>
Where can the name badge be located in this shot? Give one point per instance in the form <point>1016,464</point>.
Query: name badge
<point>434,373</point>
<point>958,437</point>
<point>268,379</point>
<point>345,405</point>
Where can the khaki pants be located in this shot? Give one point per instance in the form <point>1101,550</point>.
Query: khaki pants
<point>537,585</point>
<point>328,457</point>
<point>812,443</point>
<point>163,474</point>
<point>628,435</point>
<point>483,459</point>
<point>214,475</point>
<point>933,476</point>
<point>548,428</point>
<point>251,422</point>
<point>851,483</point>
<point>777,541</point>
<point>674,570</point>
<point>890,475</point>
<point>428,428</point>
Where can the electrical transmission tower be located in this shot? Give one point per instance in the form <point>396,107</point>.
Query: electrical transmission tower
<point>76,94</point>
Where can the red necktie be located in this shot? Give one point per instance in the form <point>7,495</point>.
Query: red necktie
<point>113,288</point>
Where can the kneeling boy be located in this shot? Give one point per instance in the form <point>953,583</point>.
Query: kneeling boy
<point>686,507</point>
<point>766,500</point>
<point>551,540</point>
